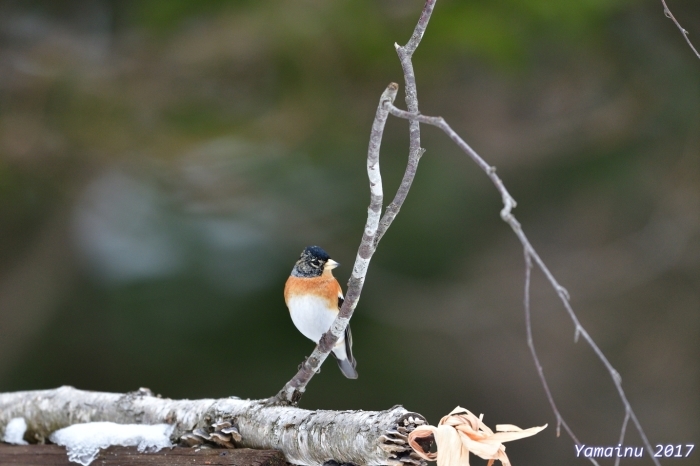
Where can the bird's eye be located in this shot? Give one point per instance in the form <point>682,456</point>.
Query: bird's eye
<point>315,264</point>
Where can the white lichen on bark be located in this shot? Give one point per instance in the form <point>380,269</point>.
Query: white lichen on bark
<point>305,437</point>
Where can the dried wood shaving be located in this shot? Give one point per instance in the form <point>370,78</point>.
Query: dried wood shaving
<point>461,432</point>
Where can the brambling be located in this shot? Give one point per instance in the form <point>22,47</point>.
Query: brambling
<point>313,297</point>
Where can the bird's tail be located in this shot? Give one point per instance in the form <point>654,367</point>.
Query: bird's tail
<point>346,367</point>
<point>344,357</point>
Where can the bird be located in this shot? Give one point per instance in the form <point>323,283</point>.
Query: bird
<point>314,297</point>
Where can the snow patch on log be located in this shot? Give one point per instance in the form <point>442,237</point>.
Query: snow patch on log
<point>310,438</point>
<point>14,432</point>
<point>83,442</point>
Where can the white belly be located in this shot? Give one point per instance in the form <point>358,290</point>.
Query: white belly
<point>311,316</point>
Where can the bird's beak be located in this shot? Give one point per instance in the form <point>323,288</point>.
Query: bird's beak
<point>331,264</point>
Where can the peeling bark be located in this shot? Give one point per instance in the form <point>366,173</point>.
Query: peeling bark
<point>304,437</point>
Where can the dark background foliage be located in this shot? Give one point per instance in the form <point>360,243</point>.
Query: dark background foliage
<point>163,163</point>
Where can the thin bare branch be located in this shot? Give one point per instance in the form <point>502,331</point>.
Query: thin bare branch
<point>623,430</point>
<point>419,30</point>
<point>508,201</point>
<point>529,250</point>
<point>293,389</point>
<point>667,12</point>
<point>415,151</point>
<point>376,224</point>
<point>579,330</point>
<point>540,372</point>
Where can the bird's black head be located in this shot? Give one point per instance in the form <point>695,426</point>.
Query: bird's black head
<point>313,262</point>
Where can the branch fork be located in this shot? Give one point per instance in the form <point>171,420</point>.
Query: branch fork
<point>377,224</point>
<point>272,423</point>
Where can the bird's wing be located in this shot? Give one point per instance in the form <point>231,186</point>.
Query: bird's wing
<point>348,346</point>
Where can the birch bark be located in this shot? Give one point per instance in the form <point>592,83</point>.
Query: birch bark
<point>304,437</point>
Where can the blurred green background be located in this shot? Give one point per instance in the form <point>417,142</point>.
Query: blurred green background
<point>164,162</point>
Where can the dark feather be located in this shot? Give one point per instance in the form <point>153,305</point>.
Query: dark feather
<point>348,346</point>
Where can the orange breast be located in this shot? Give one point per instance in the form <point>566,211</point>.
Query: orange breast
<point>324,286</point>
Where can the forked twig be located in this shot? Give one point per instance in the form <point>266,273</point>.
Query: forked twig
<point>415,151</point>
<point>540,372</point>
<point>376,224</point>
<point>529,250</point>
<point>293,390</point>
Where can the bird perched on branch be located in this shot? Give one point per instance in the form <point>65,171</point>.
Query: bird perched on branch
<point>314,297</point>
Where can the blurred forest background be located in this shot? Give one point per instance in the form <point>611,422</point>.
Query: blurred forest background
<point>164,162</point>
